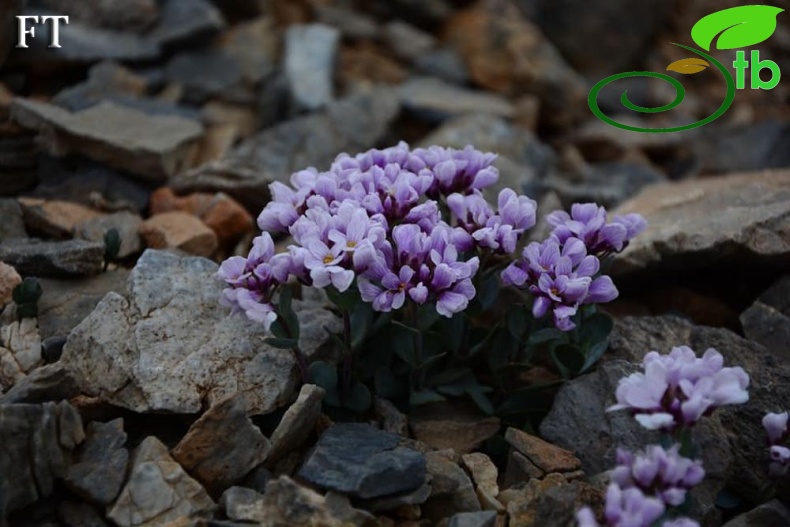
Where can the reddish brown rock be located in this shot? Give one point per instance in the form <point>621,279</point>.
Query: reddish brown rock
<point>546,456</point>
<point>224,215</point>
<point>56,219</point>
<point>9,279</point>
<point>178,230</point>
<point>449,426</point>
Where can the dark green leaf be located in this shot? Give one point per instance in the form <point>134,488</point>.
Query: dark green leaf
<point>112,245</point>
<point>344,301</point>
<point>489,291</point>
<point>388,385</point>
<point>402,343</point>
<point>284,301</point>
<point>596,329</point>
<point>453,330</point>
<point>531,400</point>
<point>341,345</point>
<point>281,343</point>
<point>727,500</point>
<point>424,397</point>
<point>426,317</point>
<point>28,292</point>
<point>361,320</point>
<point>429,361</point>
<point>481,400</point>
<point>449,376</point>
<point>323,375</point>
<point>546,335</point>
<point>358,399</point>
<point>517,322</point>
<point>569,359</point>
<point>452,390</point>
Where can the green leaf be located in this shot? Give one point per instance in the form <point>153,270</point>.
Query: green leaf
<point>489,291</point>
<point>569,359</point>
<point>424,397</point>
<point>426,317</point>
<point>481,400</point>
<point>594,337</point>
<point>361,320</point>
<point>28,292</point>
<point>388,385</point>
<point>453,330</point>
<point>322,374</point>
<point>449,375</point>
<point>346,300</point>
<point>358,398</point>
<point>517,322</point>
<point>739,27</point>
<point>112,245</point>
<point>402,343</point>
<point>546,335</point>
<point>284,301</point>
<point>281,343</point>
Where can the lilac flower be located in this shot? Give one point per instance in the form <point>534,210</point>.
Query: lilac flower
<point>497,231</point>
<point>323,265</point>
<point>660,472</point>
<point>252,280</point>
<point>776,426</point>
<point>678,389</point>
<point>561,277</point>
<point>625,508</point>
<point>587,222</point>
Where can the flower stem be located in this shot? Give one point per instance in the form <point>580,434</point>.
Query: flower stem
<point>418,373</point>
<point>296,351</point>
<point>347,352</point>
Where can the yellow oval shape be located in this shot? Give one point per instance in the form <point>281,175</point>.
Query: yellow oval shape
<point>688,66</point>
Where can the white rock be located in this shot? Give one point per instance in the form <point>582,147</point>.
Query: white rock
<point>20,349</point>
<point>171,347</point>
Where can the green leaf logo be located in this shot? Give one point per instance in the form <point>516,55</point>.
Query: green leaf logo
<point>739,27</point>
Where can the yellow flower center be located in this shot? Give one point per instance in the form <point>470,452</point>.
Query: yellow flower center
<point>351,244</point>
<point>328,259</point>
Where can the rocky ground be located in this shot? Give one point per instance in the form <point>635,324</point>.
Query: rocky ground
<point>132,399</point>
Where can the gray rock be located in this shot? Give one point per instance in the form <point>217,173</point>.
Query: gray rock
<point>364,462</point>
<point>151,147</point>
<point>12,226</point>
<point>106,79</point>
<point>133,15</point>
<point>435,100</point>
<point>353,124</point>
<point>183,22</point>
<point>242,504</point>
<point>297,422</point>
<point>73,514</point>
<point>48,383</point>
<point>407,41</point>
<point>711,221</point>
<point>53,259</point>
<point>743,148</point>
<point>607,184</point>
<point>222,446</point>
<point>767,321</point>
<point>203,74</point>
<point>473,519</point>
<point>52,348</point>
<point>444,63</point>
<point>396,501</point>
<point>170,346</point>
<point>257,479</point>
<point>418,12</point>
<point>255,46</point>
<point>586,36</point>
<point>100,467</point>
<point>310,54</point>
<point>126,223</point>
<point>158,490</point>
<point>83,181</point>
<point>350,22</point>
<point>770,514</point>
<point>66,303</point>
<point>38,441</point>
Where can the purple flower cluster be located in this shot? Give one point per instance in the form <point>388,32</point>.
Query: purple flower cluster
<point>677,389</point>
<point>587,222</point>
<point>777,430</point>
<point>254,279</point>
<point>376,218</point>
<point>562,272</point>
<point>630,507</point>
<point>664,473</point>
